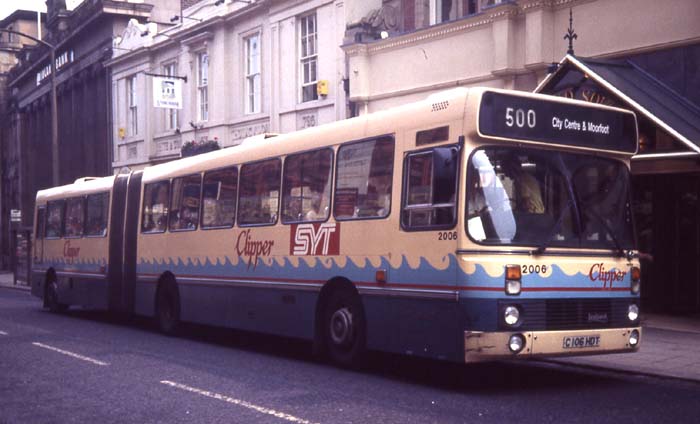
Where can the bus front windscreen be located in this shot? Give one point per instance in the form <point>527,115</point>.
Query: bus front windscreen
<point>542,198</point>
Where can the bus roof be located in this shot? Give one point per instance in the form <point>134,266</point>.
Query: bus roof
<point>449,104</point>
<point>81,187</point>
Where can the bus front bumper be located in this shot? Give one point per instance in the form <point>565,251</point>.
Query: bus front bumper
<point>484,346</point>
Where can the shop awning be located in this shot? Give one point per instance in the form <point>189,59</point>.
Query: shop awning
<point>641,92</point>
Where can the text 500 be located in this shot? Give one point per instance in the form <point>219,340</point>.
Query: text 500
<point>520,118</point>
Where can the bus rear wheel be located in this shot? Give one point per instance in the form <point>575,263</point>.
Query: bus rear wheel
<point>52,297</point>
<point>344,328</point>
<point>168,308</point>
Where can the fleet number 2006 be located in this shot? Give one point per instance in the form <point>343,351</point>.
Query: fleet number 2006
<point>447,235</point>
<point>534,269</point>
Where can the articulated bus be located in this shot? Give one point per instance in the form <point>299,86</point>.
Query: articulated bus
<point>474,225</point>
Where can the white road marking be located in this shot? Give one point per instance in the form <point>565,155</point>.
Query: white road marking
<point>71,354</point>
<point>2,333</point>
<point>238,402</point>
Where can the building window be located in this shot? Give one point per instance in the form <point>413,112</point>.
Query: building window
<point>170,114</point>
<point>442,11</point>
<point>203,86</point>
<point>252,73</point>
<point>309,58</point>
<point>132,112</point>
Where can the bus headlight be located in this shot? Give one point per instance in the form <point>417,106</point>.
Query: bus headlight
<point>636,277</point>
<point>634,338</point>
<point>516,343</point>
<point>511,315</point>
<point>633,312</point>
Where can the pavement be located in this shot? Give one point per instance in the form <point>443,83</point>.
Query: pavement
<point>670,346</point>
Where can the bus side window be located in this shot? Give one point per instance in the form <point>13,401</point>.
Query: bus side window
<point>75,217</point>
<point>155,207</point>
<point>184,203</point>
<point>430,184</point>
<point>219,194</point>
<point>306,189</point>
<point>364,178</point>
<point>97,211</point>
<point>54,224</point>
<point>259,193</point>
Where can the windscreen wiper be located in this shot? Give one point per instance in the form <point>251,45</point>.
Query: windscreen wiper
<point>608,230</point>
<point>561,167</point>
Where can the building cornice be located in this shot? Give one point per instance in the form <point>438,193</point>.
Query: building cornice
<point>419,36</point>
<point>198,38</point>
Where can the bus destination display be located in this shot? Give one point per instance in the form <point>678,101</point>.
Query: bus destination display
<point>525,118</point>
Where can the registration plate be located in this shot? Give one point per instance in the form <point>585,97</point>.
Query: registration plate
<point>580,342</point>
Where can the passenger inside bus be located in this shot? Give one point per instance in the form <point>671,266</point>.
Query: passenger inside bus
<point>314,212</point>
<point>528,193</point>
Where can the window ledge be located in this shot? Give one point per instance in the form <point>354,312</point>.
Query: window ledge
<point>314,104</point>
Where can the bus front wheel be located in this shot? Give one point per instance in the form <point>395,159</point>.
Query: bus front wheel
<point>344,327</point>
<point>168,308</point>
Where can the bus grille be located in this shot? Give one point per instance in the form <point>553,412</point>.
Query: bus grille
<point>571,314</point>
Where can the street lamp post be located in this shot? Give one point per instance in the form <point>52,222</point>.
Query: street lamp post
<point>54,105</point>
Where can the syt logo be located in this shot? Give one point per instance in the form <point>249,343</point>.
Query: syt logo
<point>315,239</point>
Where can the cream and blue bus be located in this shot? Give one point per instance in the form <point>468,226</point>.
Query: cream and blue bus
<point>477,224</point>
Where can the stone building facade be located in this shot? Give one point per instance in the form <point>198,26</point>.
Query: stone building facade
<point>83,40</point>
<point>250,68</point>
<point>12,48</point>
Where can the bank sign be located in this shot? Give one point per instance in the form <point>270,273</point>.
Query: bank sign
<point>167,93</point>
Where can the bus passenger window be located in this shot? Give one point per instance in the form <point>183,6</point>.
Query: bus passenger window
<point>184,203</point>
<point>259,193</point>
<point>364,179</point>
<point>97,211</point>
<point>54,222</point>
<point>75,215</point>
<point>430,180</point>
<point>155,207</point>
<point>306,189</point>
<point>219,198</point>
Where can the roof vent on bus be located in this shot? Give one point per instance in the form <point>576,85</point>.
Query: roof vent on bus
<point>440,106</point>
<point>84,179</point>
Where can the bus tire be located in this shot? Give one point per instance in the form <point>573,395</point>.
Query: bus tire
<point>51,297</point>
<point>344,329</point>
<point>168,307</point>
